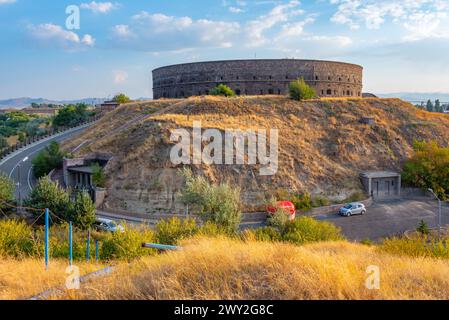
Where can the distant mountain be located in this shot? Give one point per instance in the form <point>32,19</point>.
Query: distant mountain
<point>416,96</point>
<point>19,103</point>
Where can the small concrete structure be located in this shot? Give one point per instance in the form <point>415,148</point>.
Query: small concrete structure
<point>109,106</point>
<point>78,175</point>
<point>382,184</point>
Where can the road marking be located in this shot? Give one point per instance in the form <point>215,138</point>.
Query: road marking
<point>29,181</point>
<point>21,160</point>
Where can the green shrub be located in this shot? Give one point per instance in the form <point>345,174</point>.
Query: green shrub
<point>7,188</point>
<point>428,168</point>
<point>48,194</point>
<point>302,202</point>
<point>423,228</point>
<point>126,245</point>
<point>98,177</point>
<point>174,230</point>
<point>306,229</point>
<point>417,247</point>
<point>47,160</point>
<point>210,229</point>
<point>300,90</point>
<point>222,90</point>
<point>319,201</point>
<point>354,197</point>
<point>218,204</point>
<point>16,239</point>
<point>267,234</point>
<point>279,219</point>
<point>82,211</point>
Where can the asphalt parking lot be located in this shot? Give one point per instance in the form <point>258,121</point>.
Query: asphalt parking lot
<point>389,218</point>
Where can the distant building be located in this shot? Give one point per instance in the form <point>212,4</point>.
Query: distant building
<point>258,77</point>
<point>108,106</point>
<point>41,111</point>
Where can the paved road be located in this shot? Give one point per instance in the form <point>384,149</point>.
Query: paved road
<point>389,218</point>
<point>10,166</point>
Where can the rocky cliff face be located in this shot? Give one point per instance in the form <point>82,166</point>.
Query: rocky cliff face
<point>323,145</point>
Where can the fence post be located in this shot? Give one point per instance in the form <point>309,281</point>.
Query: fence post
<point>70,243</point>
<point>88,246</point>
<point>46,238</point>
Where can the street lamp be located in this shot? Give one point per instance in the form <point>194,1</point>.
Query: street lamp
<point>439,212</point>
<point>18,182</point>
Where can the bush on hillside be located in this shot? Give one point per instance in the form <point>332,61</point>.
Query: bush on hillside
<point>174,230</point>
<point>300,90</point>
<point>306,229</point>
<point>428,168</point>
<point>218,204</point>
<point>98,176</point>
<point>48,194</point>
<point>302,202</point>
<point>417,247</point>
<point>222,90</point>
<point>47,160</point>
<point>7,188</point>
<point>126,245</point>
<point>16,239</point>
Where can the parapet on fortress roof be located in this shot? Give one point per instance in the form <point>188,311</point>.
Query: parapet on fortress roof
<point>258,77</point>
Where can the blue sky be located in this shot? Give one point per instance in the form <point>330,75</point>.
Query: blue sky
<point>402,44</point>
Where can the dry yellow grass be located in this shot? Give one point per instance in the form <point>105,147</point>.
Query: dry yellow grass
<point>228,269</point>
<point>22,279</point>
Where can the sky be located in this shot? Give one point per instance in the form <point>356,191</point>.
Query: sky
<point>46,51</point>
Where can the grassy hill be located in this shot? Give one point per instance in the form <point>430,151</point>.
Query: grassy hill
<point>323,145</point>
<point>231,269</point>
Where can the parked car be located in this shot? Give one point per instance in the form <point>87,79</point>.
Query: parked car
<point>102,224</point>
<point>353,209</point>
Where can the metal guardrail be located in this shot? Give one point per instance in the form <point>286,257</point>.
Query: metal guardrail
<point>31,140</point>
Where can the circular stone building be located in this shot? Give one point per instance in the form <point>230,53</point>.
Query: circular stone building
<point>257,77</point>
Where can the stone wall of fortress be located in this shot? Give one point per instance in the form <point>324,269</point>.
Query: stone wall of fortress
<point>258,77</point>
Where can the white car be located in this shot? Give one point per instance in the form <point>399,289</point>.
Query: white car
<point>102,224</point>
<point>353,209</point>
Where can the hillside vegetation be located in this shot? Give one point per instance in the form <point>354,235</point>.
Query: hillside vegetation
<point>232,269</point>
<point>323,145</point>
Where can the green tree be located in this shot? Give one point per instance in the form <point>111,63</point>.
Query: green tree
<point>3,143</point>
<point>71,115</point>
<point>428,167</point>
<point>98,177</point>
<point>121,98</point>
<point>222,90</point>
<point>218,204</point>
<point>438,107</point>
<point>429,106</point>
<point>7,188</point>
<point>48,194</point>
<point>48,159</point>
<point>300,90</point>
<point>83,211</point>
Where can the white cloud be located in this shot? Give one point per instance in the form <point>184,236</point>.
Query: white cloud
<point>119,76</point>
<point>159,32</point>
<point>99,7</point>
<point>235,10</point>
<point>255,29</point>
<point>53,35</point>
<point>419,18</point>
<point>7,1</point>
